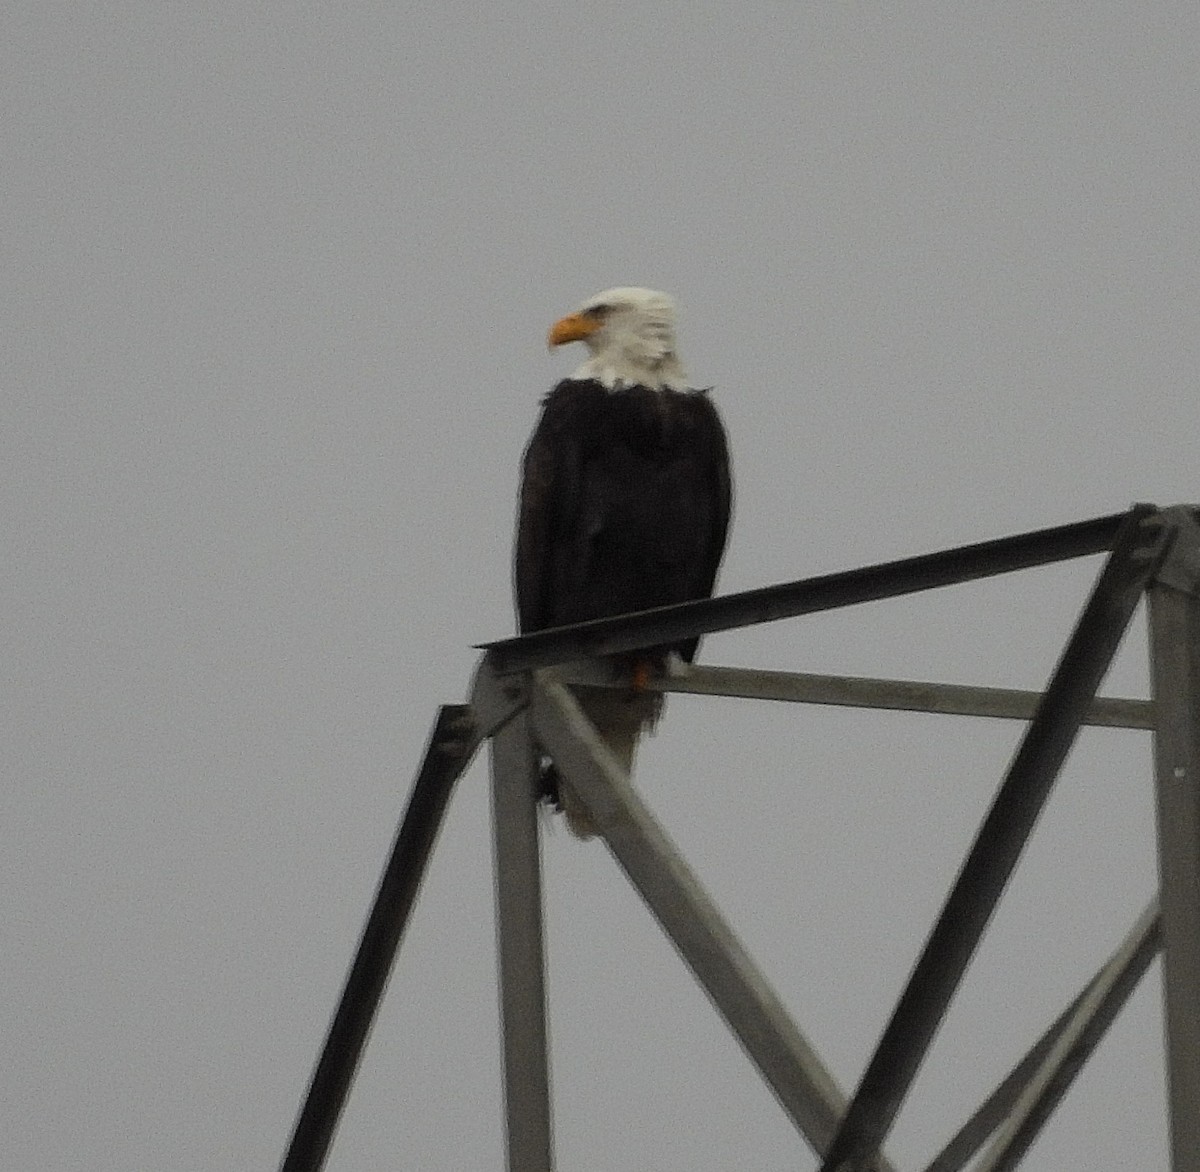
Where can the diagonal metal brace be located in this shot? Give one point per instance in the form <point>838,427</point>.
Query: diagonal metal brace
<point>787,1061</point>
<point>1137,552</point>
<point>452,744</point>
<point>1026,1097</point>
<point>457,734</point>
<point>1095,1013</point>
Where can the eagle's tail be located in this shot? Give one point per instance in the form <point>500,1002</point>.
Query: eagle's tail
<point>619,717</point>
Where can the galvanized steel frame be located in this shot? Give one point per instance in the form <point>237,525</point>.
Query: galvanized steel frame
<point>784,1057</point>
<point>1175,686</point>
<point>526,712</point>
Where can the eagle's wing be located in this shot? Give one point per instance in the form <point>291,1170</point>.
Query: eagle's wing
<point>715,482</point>
<point>549,489</point>
<point>721,487</point>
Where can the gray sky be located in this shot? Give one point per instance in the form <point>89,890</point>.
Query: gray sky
<point>278,280</point>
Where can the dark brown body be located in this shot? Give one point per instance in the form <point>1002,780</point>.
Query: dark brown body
<point>625,504</point>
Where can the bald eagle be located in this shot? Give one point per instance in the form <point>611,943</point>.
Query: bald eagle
<point>624,502</point>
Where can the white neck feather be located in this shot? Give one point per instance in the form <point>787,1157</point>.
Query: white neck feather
<point>617,370</point>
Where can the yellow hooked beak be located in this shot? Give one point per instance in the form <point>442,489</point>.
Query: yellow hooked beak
<point>575,327</point>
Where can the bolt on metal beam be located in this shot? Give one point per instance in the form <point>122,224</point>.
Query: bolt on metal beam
<point>1137,551</point>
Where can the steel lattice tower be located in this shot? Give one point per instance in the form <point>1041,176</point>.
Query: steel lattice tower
<point>520,699</point>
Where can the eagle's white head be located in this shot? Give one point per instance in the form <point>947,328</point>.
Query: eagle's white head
<point>630,334</point>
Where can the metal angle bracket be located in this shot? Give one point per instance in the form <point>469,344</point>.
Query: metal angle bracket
<point>496,699</point>
<point>1180,568</point>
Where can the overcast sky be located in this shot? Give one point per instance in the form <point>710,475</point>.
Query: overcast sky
<point>277,284</point>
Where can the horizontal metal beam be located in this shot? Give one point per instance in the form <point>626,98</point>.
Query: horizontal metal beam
<point>997,847</point>
<point>788,1063</point>
<point>1095,1013</point>
<point>452,744</point>
<point>674,624</point>
<point>861,692</point>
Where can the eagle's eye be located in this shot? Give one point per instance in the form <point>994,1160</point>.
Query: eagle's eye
<point>599,312</point>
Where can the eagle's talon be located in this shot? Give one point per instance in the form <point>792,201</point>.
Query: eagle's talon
<point>676,667</point>
<point>642,672</point>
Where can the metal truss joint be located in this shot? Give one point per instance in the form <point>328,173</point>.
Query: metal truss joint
<point>1180,568</point>
<point>496,698</point>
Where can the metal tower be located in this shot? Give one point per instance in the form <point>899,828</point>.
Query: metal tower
<point>520,699</point>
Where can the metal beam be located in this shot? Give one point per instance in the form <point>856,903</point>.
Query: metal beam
<point>985,872</point>
<point>861,692</point>
<point>452,744</point>
<point>1124,968</point>
<point>1095,1013</point>
<point>673,624</point>
<point>519,942</point>
<point>1175,671</point>
<point>786,1060</point>
<point>996,1107</point>
<point>1120,972</point>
